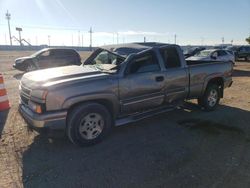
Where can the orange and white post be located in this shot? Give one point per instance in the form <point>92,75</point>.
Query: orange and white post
<point>4,102</point>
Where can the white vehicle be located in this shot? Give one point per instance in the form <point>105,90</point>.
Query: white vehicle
<point>213,55</point>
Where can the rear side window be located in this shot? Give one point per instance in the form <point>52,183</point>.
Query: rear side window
<point>221,53</point>
<point>144,63</point>
<point>171,57</point>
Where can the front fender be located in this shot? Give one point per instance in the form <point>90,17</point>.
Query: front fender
<point>69,102</point>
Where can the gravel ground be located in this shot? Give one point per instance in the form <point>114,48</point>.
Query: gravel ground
<point>183,148</point>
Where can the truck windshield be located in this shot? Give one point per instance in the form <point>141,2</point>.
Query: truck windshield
<point>105,60</point>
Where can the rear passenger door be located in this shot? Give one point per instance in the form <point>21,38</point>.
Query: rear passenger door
<point>68,57</point>
<point>44,60</point>
<point>176,75</point>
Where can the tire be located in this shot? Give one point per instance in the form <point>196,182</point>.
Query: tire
<point>248,58</point>
<point>88,124</point>
<point>30,67</point>
<point>211,98</point>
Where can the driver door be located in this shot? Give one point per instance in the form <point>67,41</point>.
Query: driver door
<point>44,60</point>
<point>141,88</point>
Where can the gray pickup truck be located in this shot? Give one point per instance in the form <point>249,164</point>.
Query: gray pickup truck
<point>116,85</point>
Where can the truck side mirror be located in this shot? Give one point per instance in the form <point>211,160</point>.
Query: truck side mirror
<point>127,62</point>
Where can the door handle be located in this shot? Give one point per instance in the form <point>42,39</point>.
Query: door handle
<point>159,78</point>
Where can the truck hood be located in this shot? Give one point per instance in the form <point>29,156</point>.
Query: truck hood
<point>52,76</point>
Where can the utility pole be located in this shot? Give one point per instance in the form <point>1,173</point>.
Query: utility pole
<point>222,39</point>
<point>79,43</point>
<point>19,29</point>
<point>175,36</point>
<point>5,38</point>
<point>144,39</point>
<point>7,16</point>
<point>202,41</point>
<point>117,35</point>
<point>82,40</point>
<point>49,40</point>
<point>90,38</point>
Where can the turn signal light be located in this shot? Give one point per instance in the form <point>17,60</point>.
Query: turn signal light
<point>38,109</point>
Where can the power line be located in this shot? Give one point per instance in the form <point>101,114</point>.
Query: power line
<point>47,27</point>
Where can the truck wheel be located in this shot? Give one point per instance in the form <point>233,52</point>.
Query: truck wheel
<point>88,124</point>
<point>211,98</point>
<point>200,102</point>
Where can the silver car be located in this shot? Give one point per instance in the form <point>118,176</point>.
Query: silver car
<point>214,55</point>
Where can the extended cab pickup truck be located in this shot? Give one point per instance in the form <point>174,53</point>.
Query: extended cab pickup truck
<point>116,85</point>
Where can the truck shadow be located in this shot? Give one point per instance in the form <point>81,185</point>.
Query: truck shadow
<point>142,154</point>
<point>18,76</point>
<point>241,73</point>
<point>3,118</point>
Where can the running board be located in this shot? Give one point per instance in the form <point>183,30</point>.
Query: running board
<point>142,115</point>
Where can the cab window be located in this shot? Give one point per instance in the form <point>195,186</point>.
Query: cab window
<point>143,63</point>
<point>170,57</point>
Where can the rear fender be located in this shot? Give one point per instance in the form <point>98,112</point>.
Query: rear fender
<point>209,79</point>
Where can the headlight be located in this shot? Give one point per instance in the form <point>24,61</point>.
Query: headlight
<point>41,94</point>
<point>35,107</point>
<point>18,61</point>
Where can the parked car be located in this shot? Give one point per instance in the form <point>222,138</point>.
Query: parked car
<point>214,55</point>
<point>192,51</point>
<point>243,52</point>
<point>116,85</point>
<point>47,58</point>
<point>233,49</point>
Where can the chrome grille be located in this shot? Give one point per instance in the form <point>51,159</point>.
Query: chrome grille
<point>25,95</point>
<point>25,90</point>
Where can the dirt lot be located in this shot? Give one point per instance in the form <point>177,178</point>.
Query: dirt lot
<point>183,148</point>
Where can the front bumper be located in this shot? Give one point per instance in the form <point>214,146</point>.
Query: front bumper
<point>51,120</point>
<point>18,67</point>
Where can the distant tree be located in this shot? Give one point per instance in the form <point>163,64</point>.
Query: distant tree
<point>248,40</point>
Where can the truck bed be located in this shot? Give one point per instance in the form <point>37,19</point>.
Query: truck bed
<point>200,71</point>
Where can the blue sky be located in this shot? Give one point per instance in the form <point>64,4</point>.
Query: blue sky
<point>67,22</point>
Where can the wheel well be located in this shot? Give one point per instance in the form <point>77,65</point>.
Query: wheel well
<point>108,104</point>
<point>219,82</point>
